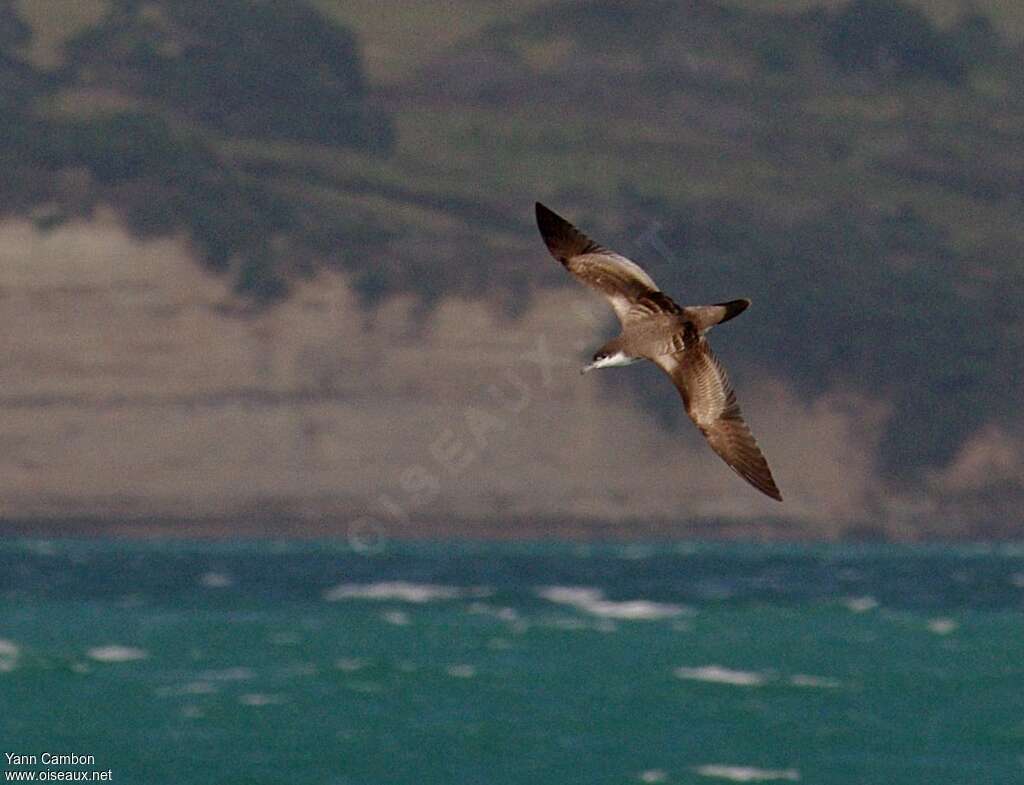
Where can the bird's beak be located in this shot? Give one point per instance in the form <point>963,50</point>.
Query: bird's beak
<point>586,368</point>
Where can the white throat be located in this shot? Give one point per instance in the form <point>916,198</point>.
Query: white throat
<point>612,361</point>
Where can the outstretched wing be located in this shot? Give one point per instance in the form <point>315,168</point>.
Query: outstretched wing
<point>711,404</point>
<point>629,289</point>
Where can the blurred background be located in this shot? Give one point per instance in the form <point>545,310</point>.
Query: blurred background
<point>273,304</point>
<point>262,263</point>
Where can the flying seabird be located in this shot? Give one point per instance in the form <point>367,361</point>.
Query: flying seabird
<point>672,337</point>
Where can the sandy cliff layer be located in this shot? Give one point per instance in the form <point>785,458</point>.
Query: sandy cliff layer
<point>130,388</point>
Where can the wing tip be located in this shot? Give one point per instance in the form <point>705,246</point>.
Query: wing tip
<point>762,481</point>
<point>760,476</point>
<point>563,240</point>
<point>548,221</point>
<point>767,483</point>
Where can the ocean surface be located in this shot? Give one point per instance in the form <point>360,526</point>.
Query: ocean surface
<point>453,662</point>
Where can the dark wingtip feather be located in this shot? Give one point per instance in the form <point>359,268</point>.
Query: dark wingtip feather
<point>754,469</point>
<point>765,483</point>
<point>734,308</point>
<point>563,240</point>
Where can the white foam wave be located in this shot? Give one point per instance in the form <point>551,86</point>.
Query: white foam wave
<point>367,687</point>
<point>401,591</point>
<point>9,652</point>
<point>397,618</point>
<point>216,580</point>
<point>461,671</point>
<point>942,626</point>
<point>116,653</point>
<point>746,773</point>
<point>860,604</point>
<point>653,775</point>
<point>259,699</point>
<point>803,680</point>
<point>592,601</point>
<point>719,675</point>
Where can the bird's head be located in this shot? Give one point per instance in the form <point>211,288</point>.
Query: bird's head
<point>608,359</point>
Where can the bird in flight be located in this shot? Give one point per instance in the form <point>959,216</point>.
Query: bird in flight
<point>671,336</point>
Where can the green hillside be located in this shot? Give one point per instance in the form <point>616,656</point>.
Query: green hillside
<point>855,169</point>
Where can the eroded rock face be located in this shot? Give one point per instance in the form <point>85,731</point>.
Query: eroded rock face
<point>130,388</point>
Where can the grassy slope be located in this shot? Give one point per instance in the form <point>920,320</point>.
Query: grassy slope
<point>1007,14</point>
<point>400,37</point>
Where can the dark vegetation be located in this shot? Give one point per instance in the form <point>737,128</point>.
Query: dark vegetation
<point>885,38</point>
<point>858,173</point>
<point>254,69</point>
<point>157,91</point>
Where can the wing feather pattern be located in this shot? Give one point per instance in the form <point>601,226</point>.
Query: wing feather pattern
<point>630,290</point>
<point>711,404</point>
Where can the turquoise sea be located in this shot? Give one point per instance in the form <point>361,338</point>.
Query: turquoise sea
<point>491,663</point>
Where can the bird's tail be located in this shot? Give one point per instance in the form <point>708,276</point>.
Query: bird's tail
<point>705,316</point>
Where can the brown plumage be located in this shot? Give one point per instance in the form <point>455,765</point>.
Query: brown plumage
<point>655,328</point>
